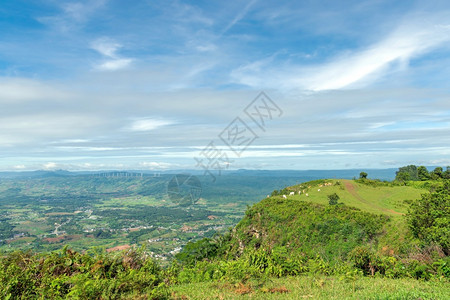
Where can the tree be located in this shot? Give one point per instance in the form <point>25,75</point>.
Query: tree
<point>363,175</point>
<point>411,170</point>
<point>437,173</point>
<point>447,173</point>
<point>429,217</point>
<point>196,251</point>
<point>403,177</point>
<point>333,199</point>
<point>423,173</point>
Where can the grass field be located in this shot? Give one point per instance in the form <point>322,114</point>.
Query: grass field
<point>388,200</point>
<point>317,287</point>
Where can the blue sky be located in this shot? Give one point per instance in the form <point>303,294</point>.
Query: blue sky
<point>105,84</point>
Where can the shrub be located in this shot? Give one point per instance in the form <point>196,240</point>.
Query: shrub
<point>64,273</point>
<point>333,199</point>
<point>429,217</point>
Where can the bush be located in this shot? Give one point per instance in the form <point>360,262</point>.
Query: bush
<point>429,217</point>
<point>333,199</point>
<point>64,273</point>
<point>366,260</point>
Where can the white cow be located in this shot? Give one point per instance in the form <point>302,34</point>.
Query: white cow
<point>299,192</point>
<point>291,194</point>
<point>318,190</point>
<point>306,194</point>
<point>284,196</point>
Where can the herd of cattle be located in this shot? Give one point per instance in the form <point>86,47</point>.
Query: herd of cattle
<point>303,191</point>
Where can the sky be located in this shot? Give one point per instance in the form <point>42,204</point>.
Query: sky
<point>214,85</point>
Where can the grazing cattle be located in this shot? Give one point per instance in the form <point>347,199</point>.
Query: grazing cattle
<point>320,185</point>
<point>284,196</point>
<point>318,190</point>
<point>306,194</point>
<point>267,196</point>
<point>291,194</point>
<point>299,192</point>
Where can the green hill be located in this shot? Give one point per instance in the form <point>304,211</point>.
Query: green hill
<point>370,196</point>
<point>366,233</point>
<point>368,212</point>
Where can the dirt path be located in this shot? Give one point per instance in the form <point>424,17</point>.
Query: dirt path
<point>351,189</point>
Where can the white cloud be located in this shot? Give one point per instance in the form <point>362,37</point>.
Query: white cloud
<point>108,48</point>
<point>148,124</point>
<point>72,15</point>
<point>239,16</point>
<point>13,90</point>
<point>71,141</point>
<point>206,47</point>
<point>116,64</point>
<point>409,41</point>
<point>413,38</point>
<point>155,165</point>
<point>50,166</point>
<point>23,129</point>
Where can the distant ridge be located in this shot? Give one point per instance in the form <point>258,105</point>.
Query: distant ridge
<point>382,174</point>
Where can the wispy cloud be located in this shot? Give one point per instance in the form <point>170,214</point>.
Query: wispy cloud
<point>148,124</point>
<point>109,48</point>
<point>239,16</point>
<point>106,47</point>
<point>72,14</point>
<point>410,40</point>
<point>19,89</point>
<point>416,36</point>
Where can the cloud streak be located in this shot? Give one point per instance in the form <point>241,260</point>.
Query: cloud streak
<point>409,41</point>
<point>239,16</point>
<point>109,48</point>
<point>148,124</point>
<point>415,37</point>
<point>72,15</point>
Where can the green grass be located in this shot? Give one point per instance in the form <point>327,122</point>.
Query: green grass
<point>388,200</point>
<point>316,287</point>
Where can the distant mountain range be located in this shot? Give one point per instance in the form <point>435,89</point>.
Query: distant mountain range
<point>382,174</point>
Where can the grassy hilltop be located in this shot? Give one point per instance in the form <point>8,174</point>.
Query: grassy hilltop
<point>300,246</point>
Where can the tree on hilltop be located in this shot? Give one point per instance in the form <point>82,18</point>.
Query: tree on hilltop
<point>411,170</point>
<point>423,173</point>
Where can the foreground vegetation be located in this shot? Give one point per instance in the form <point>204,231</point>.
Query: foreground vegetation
<point>327,239</point>
<point>65,273</point>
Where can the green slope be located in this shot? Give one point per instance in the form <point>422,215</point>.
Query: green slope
<point>383,199</point>
<point>370,196</point>
<point>298,246</point>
